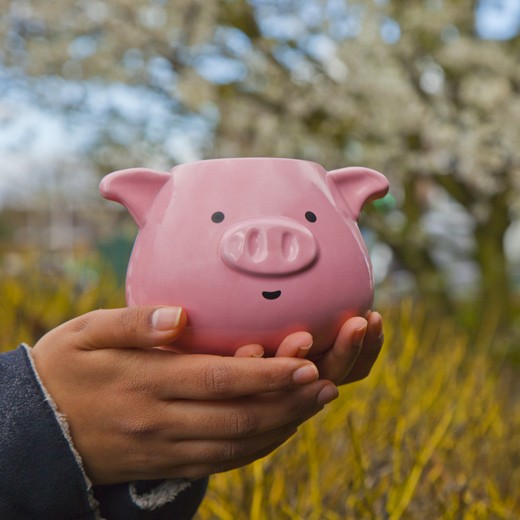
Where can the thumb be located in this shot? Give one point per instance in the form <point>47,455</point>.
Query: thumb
<point>143,326</point>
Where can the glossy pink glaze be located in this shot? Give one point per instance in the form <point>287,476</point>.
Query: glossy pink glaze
<point>252,248</point>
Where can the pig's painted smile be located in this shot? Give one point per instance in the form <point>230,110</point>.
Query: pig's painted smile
<point>271,295</point>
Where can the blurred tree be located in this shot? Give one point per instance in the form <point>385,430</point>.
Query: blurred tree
<point>408,88</point>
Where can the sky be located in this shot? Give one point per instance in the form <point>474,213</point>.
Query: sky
<point>35,143</point>
<point>498,19</point>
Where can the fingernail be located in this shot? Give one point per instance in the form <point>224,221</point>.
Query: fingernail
<point>306,374</point>
<point>303,351</point>
<point>359,335</point>
<point>166,318</point>
<point>327,395</point>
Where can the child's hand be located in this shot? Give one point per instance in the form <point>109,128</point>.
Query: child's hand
<point>136,412</point>
<point>355,350</point>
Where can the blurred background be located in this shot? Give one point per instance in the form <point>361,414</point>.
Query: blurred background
<point>425,91</point>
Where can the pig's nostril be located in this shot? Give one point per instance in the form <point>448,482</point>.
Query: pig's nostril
<point>256,245</point>
<point>289,247</point>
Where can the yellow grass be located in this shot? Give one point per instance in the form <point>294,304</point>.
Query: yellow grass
<point>433,433</point>
<point>41,294</point>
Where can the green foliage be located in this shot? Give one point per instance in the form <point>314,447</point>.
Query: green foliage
<point>434,432</point>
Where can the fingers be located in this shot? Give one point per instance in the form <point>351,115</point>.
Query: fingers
<point>250,351</point>
<point>372,344</point>
<point>249,416</point>
<point>131,327</point>
<point>206,438</point>
<point>204,469</point>
<point>295,345</point>
<point>206,377</point>
<point>214,456</point>
<point>339,360</point>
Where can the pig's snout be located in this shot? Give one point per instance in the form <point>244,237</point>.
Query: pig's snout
<point>268,246</point>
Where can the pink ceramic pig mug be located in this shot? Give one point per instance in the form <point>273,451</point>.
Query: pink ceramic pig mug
<point>252,248</point>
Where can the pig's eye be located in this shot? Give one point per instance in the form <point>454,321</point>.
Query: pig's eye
<point>310,216</point>
<point>217,217</point>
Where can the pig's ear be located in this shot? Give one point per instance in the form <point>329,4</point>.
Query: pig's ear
<point>357,186</point>
<point>135,189</point>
